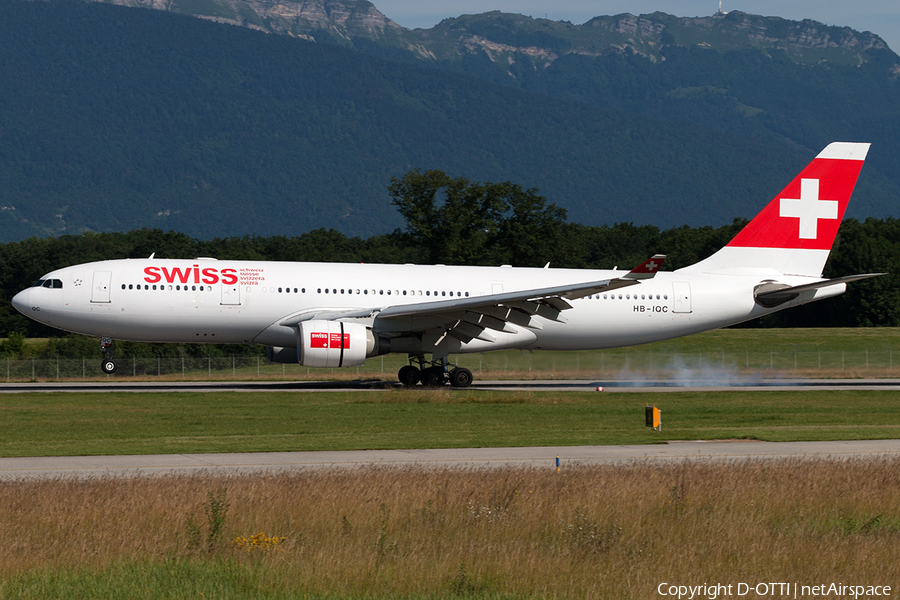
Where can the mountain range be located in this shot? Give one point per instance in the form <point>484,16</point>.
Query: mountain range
<point>118,117</point>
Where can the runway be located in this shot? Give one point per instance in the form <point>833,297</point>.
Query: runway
<point>571,385</point>
<point>81,467</point>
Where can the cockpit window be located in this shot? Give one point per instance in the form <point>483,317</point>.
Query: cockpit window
<point>49,283</point>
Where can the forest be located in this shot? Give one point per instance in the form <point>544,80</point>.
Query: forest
<point>451,220</point>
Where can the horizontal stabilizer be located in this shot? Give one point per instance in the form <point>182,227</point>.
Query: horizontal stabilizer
<point>771,294</point>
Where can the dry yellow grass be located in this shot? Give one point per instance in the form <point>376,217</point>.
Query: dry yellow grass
<point>589,532</point>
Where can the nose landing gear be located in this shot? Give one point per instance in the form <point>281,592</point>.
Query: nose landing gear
<point>435,375</point>
<point>108,365</point>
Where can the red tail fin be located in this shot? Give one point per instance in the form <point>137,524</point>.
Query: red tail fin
<point>794,233</point>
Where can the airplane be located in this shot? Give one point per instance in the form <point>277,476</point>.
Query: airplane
<point>338,314</point>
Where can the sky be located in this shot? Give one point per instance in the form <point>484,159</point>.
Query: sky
<point>881,17</point>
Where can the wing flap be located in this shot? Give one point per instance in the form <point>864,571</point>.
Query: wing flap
<point>471,331</point>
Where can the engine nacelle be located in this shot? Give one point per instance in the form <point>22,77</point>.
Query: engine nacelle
<point>333,344</point>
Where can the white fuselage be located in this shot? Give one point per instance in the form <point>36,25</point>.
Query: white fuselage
<point>245,302</point>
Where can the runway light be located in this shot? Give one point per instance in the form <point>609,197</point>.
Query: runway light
<point>599,389</point>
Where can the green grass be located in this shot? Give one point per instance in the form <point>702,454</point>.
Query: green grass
<point>177,578</point>
<point>67,424</point>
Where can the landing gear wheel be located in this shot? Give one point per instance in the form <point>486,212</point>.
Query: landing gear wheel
<point>108,365</point>
<point>433,377</point>
<point>408,375</point>
<point>460,377</point>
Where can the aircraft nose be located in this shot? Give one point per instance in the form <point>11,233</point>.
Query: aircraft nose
<point>22,301</point>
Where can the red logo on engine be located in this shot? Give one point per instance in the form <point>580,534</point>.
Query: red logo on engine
<point>318,340</point>
<point>322,339</point>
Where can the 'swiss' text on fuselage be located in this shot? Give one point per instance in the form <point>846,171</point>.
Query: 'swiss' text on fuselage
<point>194,274</point>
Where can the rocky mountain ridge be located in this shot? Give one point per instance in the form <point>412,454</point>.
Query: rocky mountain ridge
<point>344,19</point>
<point>505,36</point>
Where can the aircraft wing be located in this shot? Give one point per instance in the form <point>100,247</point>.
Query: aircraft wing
<point>468,318</point>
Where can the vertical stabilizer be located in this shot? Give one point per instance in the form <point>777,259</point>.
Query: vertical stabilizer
<point>794,233</point>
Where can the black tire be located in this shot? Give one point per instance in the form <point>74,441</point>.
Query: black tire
<point>433,377</point>
<point>108,366</point>
<point>408,375</point>
<point>461,377</point>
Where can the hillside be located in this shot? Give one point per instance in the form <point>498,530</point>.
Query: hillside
<point>803,82</point>
<point>114,118</point>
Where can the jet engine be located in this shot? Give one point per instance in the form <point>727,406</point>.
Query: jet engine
<point>337,344</point>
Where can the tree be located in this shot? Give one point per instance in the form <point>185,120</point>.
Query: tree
<point>454,221</point>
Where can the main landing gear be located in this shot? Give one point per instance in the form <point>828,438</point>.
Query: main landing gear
<point>435,375</point>
<point>108,365</point>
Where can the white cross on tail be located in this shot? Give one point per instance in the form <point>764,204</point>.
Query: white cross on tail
<point>809,209</point>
